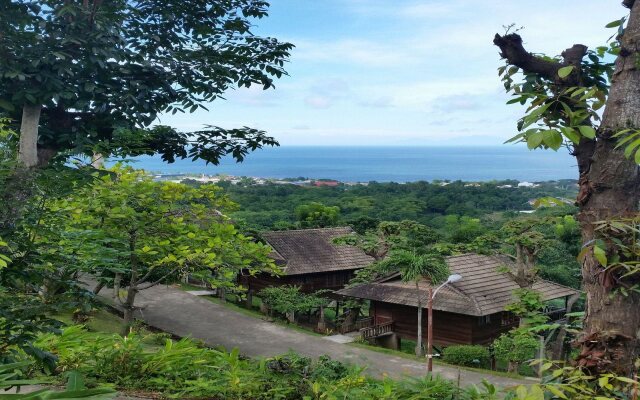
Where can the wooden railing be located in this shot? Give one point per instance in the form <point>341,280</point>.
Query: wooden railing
<point>555,314</point>
<point>356,326</point>
<point>377,330</point>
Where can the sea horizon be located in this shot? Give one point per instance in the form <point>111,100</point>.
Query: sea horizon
<point>383,163</point>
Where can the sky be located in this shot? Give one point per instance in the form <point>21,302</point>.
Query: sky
<point>399,72</point>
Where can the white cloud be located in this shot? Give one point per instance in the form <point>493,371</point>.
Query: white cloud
<point>404,71</point>
<point>318,101</point>
<point>358,51</point>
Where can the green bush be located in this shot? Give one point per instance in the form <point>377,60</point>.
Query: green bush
<point>515,347</point>
<point>468,356</point>
<point>183,369</point>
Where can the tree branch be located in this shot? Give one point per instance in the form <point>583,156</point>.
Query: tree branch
<point>513,51</point>
<point>151,284</point>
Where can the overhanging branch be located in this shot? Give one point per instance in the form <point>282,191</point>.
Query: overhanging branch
<point>513,51</point>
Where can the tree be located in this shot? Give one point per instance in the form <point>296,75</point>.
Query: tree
<point>564,95</point>
<point>416,268</point>
<point>387,235</point>
<point>317,215</point>
<point>91,76</point>
<point>142,232</point>
<point>289,301</point>
<point>527,242</point>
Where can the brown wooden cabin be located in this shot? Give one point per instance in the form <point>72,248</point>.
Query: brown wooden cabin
<point>309,259</point>
<point>470,311</point>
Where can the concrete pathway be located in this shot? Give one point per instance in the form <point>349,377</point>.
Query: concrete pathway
<point>177,312</point>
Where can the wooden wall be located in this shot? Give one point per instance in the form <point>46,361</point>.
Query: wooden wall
<point>485,330</point>
<point>333,280</point>
<point>448,328</point>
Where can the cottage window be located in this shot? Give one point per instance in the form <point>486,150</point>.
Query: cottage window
<point>484,320</point>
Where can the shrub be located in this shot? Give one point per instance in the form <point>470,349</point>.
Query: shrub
<point>468,356</point>
<point>515,348</point>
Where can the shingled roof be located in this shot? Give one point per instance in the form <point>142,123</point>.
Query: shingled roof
<point>307,251</point>
<point>483,290</point>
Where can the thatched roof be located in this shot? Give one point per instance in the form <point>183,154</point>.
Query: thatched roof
<point>307,251</point>
<point>483,290</point>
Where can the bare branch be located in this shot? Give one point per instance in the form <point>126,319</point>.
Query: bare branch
<point>151,284</point>
<point>513,51</point>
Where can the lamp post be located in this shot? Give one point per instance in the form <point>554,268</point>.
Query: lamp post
<point>432,293</point>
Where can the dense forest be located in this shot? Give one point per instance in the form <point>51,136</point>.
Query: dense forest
<point>273,206</point>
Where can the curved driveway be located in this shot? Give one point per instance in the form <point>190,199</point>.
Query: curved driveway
<point>185,315</point>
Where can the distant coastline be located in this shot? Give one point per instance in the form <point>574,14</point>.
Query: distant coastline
<point>383,164</point>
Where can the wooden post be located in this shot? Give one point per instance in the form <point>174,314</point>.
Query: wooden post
<point>430,332</point>
<point>250,299</point>
<point>540,356</point>
<point>322,326</point>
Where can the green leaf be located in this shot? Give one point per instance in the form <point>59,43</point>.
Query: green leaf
<point>75,381</point>
<point>600,255</point>
<point>565,71</point>
<point>552,138</point>
<point>615,23</point>
<point>556,391</point>
<point>626,380</point>
<point>637,157</point>
<point>534,140</point>
<point>571,134</point>
<point>587,131</point>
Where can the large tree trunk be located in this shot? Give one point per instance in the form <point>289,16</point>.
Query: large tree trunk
<point>609,188</point>
<point>612,322</point>
<point>28,153</point>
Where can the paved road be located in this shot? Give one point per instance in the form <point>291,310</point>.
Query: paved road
<point>177,312</point>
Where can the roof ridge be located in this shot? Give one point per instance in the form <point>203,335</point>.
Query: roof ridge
<point>472,298</point>
<point>309,229</point>
<point>558,284</point>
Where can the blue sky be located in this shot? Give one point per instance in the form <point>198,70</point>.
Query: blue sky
<point>399,72</point>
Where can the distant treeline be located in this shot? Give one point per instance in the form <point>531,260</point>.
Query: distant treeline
<point>271,206</point>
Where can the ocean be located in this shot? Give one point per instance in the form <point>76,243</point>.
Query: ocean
<point>385,164</point>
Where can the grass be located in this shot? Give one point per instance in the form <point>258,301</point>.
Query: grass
<point>99,321</point>
<point>187,286</point>
<point>412,356</point>
<point>257,314</point>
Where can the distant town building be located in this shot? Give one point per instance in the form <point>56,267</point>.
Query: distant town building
<point>528,184</point>
<point>326,183</point>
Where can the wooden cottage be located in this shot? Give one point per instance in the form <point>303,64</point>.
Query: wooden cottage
<point>310,259</point>
<point>470,311</point>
